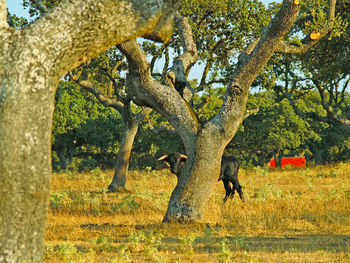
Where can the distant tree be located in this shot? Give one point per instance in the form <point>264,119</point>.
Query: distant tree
<point>221,30</point>
<point>101,77</point>
<point>324,68</point>
<point>82,127</point>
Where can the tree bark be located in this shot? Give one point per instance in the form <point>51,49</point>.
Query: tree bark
<point>32,61</point>
<point>194,187</point>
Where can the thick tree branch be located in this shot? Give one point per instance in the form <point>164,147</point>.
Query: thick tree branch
<point>166,64</point>
<point>153,62</point>
<point>185,60</point>
<point>166,100</point>
<point>311,39</point>
<point>144,91</point>
<point>86,28</point>
<point>233,107</point>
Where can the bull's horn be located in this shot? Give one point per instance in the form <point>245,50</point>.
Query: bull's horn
<point>183,156</point>
<point>162,158</point>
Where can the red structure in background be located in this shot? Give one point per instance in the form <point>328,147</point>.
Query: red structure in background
<point>299,162</point>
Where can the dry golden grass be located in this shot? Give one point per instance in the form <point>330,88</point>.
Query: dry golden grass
<point>293,215</point>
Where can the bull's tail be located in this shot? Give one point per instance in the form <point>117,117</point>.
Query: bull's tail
<point>221,176</point>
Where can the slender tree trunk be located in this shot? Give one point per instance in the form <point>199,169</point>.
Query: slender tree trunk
<point>64,152</point>
<point>123,157</point>
<point>64,160</point>
<point>317,154</point>
<point>278,160</point>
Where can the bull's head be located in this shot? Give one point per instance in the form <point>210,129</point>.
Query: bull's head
<point>176,162</point>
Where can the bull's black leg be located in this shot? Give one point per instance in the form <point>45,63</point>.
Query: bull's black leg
<point>238,187</point>
<point>232,194</point>
<point>228,189</point>
<point>241,193</point>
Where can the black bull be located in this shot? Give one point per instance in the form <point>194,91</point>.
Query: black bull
<point>228,172</point>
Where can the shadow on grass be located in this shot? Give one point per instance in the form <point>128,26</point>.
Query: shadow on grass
<point>294,243</point>
<point>211,244</point>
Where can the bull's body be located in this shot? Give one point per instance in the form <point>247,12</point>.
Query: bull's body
<point>228,172</point>
<point>229,175</point>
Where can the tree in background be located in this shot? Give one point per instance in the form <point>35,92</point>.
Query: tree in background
<point>101,77</point>
<point>221,30</point>
<point>323,68</point>
<point>275,130</point>
<point>82,128</point>
<point>321,73</point>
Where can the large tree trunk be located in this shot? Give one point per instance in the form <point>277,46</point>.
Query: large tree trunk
<point>26,109</point>
<point>32,61</point>
<point>123,157</point>
<point>196,184</point>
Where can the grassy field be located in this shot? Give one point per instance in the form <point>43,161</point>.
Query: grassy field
<point>292,215</point>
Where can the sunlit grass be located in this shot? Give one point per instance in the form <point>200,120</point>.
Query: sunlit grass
<point>296,215</point>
